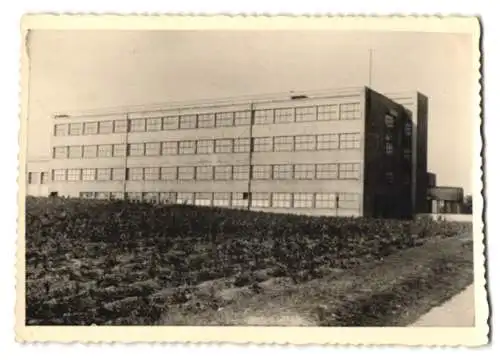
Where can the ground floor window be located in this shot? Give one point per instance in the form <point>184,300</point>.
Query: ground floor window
<point>203,199</point>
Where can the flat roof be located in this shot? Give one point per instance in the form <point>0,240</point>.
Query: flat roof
<point>215,102</point>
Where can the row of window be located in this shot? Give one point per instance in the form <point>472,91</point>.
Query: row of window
<point>349,111</point>
<point>209,146</point>
<point>343,171</point>
<point>238,200</point>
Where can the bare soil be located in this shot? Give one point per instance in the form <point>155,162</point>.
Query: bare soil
<point>394,291</point>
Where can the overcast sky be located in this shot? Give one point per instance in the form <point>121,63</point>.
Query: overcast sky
<point>80,70</point>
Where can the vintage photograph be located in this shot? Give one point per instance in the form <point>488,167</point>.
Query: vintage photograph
<point>324,177</point>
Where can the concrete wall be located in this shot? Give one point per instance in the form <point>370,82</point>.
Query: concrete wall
<point>417,105</point>
<point>382,197</point>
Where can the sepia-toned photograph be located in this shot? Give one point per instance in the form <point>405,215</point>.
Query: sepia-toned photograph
<point>260,177</point>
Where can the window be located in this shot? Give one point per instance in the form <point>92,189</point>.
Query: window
<point>151,173</point>
<point>263,144</point>
<point>60,152</point>
<point>169,173</point>
<point>239,200</point>
<point>241,172</point>
<point>282,200</point>
<point>302,200</point>
<point>32,179</point>
<point>134,196</point>
<point>328,142</point>
<point>223,172</point>
<point>328,112</point>
<point>283,143</point>
<point>223,145</point>
<point>90,151</point>
<point>242,118</point>
<point>59,175</point>
<point>153,124</point>
<point>242,145</point>
<point>408,129</point>
<point>389,148</point>
<point>186,173</point>
<point>119,150</point>
<point>348,201</point>
<point>44,177</point>
<point>282,172</point>
<point>187,147</point>
<point>204,146</point>
<point>88,174</point>
<point>264,116</point>
<point>204,173</point>
<point>304,172</point>
<point>102,195</point>
<point>350,111</point>
<point>153,149</point>
<point>61,130</point>
<point>350,141</point>
<point>105,127</point>
<point>150,197</point>
<point>185,198</point>
<point>75,129</point>
<point>135,174</point>
<point>203,199</point>
<point>136,149</point>
<point>303,114</point>
<point>91,128</point>
<point>206,120</point>
<point>137,125</point>
<point>169,148</point>
<point>305,142</point>
<point>407,154</point>
<point>187,122</point>
<point>389,177</point>
<point>73,174</point>
<point>260,199</point>
<point>105,150</point>
<point>87,195</point>
<point>116,195</point>
<point>326,201</point>
<point>326,171</point>
<point>168,197</point>
<point>103,174</point>
<point>284,115</point>
<point>75,152</point>
<point>170,122</point>
<point>224,119</point>
<point>261,172</point>
<point>118,174</point>
<point>389,121</point>
<point>222,199</point>
<point>120,126</point>
<point>348,171</point>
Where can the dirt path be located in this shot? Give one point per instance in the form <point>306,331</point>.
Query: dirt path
<point>375,294</point>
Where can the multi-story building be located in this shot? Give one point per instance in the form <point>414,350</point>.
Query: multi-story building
<point>347,153</point>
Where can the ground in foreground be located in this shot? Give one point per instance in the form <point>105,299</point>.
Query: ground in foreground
<point>119,263</point>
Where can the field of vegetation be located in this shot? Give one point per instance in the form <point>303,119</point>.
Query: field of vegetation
<point>119,263</point>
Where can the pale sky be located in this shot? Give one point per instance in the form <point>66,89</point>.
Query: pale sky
<point>81,70</point>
